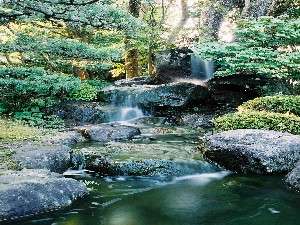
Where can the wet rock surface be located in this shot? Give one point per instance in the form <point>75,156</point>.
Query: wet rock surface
<point>168,95</point>
<point>56,158</point>
<point>254,151</point>
<point>172,64</point>
<point>31,192</point>
<point>135,81</point>
<point>108,132</point>
<point>149,167</point>
<point>293,178</point>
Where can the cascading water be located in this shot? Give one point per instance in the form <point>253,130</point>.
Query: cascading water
<point>126,109</point>
<point>201,69</point>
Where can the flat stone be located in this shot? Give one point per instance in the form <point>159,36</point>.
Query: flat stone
<point>254,151</point>
<point>32,192</point>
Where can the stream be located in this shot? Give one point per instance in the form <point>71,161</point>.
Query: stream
<point>202,195</point>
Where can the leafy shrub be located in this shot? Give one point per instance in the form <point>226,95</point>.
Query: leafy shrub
<point>259,120</point>
<point>63,47</point>
<point>20,86</point>
<point>279,104</point>
<point>27,92</point>
<point>89,90</point>
<point>86,92</point>
<point>39,119</point>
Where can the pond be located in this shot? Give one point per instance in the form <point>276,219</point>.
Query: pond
<point>208,196</point>
<point>200,199</point>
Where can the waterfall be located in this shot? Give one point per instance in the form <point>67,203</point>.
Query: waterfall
<point>201,69</point>
<point>126,109</point>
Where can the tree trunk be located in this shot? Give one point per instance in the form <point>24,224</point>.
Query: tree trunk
<point>132,54</point>
<point>151,66</point>
<point>131,63</point>
<point>246,8</point>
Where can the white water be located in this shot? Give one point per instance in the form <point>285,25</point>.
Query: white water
<point>126,110</point>
<point>201,69</point>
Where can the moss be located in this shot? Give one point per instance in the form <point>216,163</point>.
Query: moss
<point>259,120</point>
<point>16,131</point>
<point>6,160</point>
<point>278,104</point>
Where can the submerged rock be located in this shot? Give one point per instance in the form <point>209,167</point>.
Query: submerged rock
<point>293,178</point>
<point>152,167</point>
<point>31,192</point>
<point>56,158</point>
<point>144,159</point>
<point>254,151</point>
<point>108,132</point>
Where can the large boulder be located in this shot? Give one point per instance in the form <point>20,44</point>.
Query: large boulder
<point>254,151</point>
<point>108,132</point>
<point>293,178</point>
<point>171,95</point>
<point>80,112</point>
<point>31,192</point>
<point>56,158</point>
<point>172,64</point>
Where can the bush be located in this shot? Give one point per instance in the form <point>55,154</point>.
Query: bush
<point>20,86</point>
<point>86,93</point>
<point>39,119</point>
<point>89,90</point>
<point>259,120</point>
<point>278,104</point>
<point>27,92</point>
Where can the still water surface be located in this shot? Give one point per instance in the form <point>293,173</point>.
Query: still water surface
<point>201,199</point>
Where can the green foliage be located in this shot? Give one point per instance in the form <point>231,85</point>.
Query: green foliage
<point>265,46</point>
<point>86,92</point>
<point>96,14</point>
<point>278,104</point>
<point>66,48</point>
<point>37,118</point>
<point>20,86</point>
<point>269,32</point>
<point>89,90</point>
<point>259,120</point>
<point>26,92</point>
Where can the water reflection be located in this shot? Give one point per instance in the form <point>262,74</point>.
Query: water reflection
<point>226,199</point>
